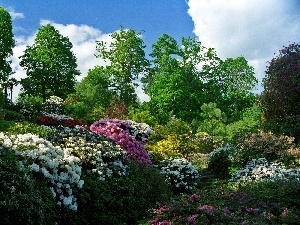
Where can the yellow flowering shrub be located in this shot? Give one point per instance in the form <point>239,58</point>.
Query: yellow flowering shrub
<point>169,147</point>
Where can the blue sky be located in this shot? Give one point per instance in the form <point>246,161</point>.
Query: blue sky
<point>254,29</point>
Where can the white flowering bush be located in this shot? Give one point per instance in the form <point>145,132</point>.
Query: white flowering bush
<point>141,131</point>
<point>180,174</point>
<point>96,152</point>
<point>53,105</point>
<point>260,169</point>
<point>57,165</point>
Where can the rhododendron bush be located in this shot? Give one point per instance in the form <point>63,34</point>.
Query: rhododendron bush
<point>123,134</point>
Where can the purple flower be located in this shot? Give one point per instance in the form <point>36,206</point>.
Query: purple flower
<point>192,219</point>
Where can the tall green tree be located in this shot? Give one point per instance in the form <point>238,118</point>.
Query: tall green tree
<point>175,83</point>
<point>126,56</point>
<point>6,46</point>
<point>50,64</point>
<point>232,86</point>
<point>94,89</point>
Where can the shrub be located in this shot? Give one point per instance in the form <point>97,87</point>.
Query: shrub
<point>12,115</point>
<point>262,145</point>
<point>53,105</point>
<point>125,200</point>
<point>172,140</point>
<point>169,147</point>
<point>24,198</point>
<point>116,110</point>
<point>30,106</point>
<point>119,131</point>
<point>219,161</point>
<point>97,153</point>
<point>259,169</point>
<point>180,174</point>
<point>27,127</point>
<point>265,202</point>
<point>56,120</point>
<point>77,110</point>
<point>143,117</point>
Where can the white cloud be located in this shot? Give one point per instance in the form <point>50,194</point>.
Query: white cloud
<point>254,29</point>
<point>15,15</point>
<point>83,38</point>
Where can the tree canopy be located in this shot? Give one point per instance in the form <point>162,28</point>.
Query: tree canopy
<point>186,76</point>
<point>50,65</point>
<point>7,43</point>
<point>127,60</point>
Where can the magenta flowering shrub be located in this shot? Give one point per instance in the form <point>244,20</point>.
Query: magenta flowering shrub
<point>120,132</point>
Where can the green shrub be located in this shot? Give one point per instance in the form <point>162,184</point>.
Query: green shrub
<point>143,117</point>
<point>123,200</point>
<point>173,140</point>
<point>219,162</point>
<point>27,127</point>
<point>288,125</point>
<point>262,144</point>
<point>77,110</point>
<point>30,106</point>
<point>12,115</point>
<point>23,199</point>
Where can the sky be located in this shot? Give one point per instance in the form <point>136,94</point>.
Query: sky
<point>254,29</point>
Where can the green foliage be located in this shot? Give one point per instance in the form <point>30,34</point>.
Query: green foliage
<point>174,140</point>
<point>50,65</point>
<point>2,99</point>
<point>231,87</point>
<point>250,121</point>
<point>262,144</point>
<point>142,116</point>
<point>12,115</point>
<point>127,60</point>
<point>27,127</point>
<point>125,200</point>
<point>5,125</point>
<point>6,46</point>
<point>288,125</point>
<point>219,162</point>
<point>264,202</point>
<point>77,110</point>
<point>174,82</point>
<point>214,124</point>
<point>178,86</point>
<point>30,106</point>
<point>95,89</point>
<point>23,198</point>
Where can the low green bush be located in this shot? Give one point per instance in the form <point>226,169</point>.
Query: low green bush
<point>24,199</point>
<point>12,115</point>
<point>28,127</point>
<point>123,200</point>
<point>219,162</point>
<point>262,144</point>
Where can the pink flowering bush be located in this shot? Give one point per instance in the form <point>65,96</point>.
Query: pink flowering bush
<point>119,131</point>
<point>250,203</point>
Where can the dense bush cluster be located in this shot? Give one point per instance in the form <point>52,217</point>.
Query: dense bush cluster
<point>121,133</point>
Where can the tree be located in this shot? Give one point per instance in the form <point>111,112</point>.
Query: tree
<point>127,62</point>
<point>231,86</point>
<point>94,89</point>
<point>6,45</point>
<point>280,99</point>
<point>50,64</point>
<point>175,84</point>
